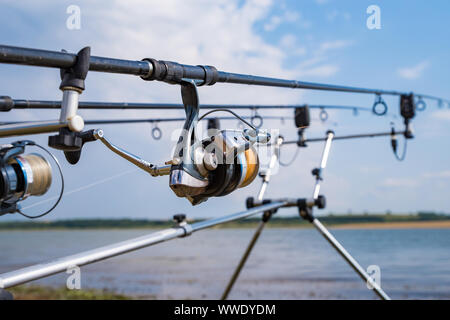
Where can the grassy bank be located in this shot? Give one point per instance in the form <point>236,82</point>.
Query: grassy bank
<point>33,292</point>
<point>356,220</point>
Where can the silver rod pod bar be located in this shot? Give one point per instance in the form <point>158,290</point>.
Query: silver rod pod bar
<point>43,270</point>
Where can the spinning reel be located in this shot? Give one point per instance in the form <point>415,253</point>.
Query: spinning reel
<point>22,176</point>
<point>213,167</point>
<point>217,165</point>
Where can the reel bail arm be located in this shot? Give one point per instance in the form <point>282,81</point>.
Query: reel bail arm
<point>137,161</point>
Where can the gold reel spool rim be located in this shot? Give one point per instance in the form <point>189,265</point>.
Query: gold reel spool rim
<point>252,159</point>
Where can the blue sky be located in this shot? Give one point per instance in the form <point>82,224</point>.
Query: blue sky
<point>312,40</point>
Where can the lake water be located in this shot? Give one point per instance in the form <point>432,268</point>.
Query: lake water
<point>285,264</point>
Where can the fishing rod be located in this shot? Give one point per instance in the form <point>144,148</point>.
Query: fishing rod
<point>170,72</point>
<point>7,104</point>
<point>35,127</point>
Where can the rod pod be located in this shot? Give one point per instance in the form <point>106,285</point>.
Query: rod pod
<point>307,214</point>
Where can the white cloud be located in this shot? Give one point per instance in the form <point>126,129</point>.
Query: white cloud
<point>289,42</point>
<point>439,175</point>
<point>400,182</point>
<point>273,23</point>
<point>441,115</point>
<point>336,44</point>
<point>336,14</point>
<point>321,71</point>
<point>286,17</point>
<point>414,72</point>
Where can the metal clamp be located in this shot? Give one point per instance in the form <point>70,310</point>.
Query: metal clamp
<point>180,222</point>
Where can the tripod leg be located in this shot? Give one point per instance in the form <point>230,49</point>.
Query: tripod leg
<point>307,214</point>
<point>243,260</point>
<point>351,261</point>
<point>266,217</point>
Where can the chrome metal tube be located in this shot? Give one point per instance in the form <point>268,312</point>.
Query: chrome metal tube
<point>42,270</point>
<point>69,105</point>
<point>243,260</point>
<point>137,161</point>
<point>323,163</point>
<point>21,129</point>
<point>329,237</point>
<point>351,261</point>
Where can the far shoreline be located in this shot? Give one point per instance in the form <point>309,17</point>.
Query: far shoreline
<point>445,224</point>
<point>435,224</point>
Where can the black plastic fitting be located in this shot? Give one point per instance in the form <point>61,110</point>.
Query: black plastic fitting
<point>307,214</point>
<point>173,72</point>
<point>267,215</point>
<point>65,140</point>
<point>250,202</point>
<point>407,106</point>
<point>301,138</point>
<point>211,75</point>
<point>6,103</point>
<point>74,76</point>
<point>317,172</point>
<point>74,156</point>
<point>179,218</point>
<point>302,117</point>
<point>213,123</point>
<point>320,202</point>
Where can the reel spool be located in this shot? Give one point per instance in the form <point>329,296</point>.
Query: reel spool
<point>22,176</point>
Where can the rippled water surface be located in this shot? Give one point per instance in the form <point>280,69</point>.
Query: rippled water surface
<point>285,264</point>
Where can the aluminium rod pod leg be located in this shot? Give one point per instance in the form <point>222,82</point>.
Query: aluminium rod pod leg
<point>265,218</point>
<point>72,85</point>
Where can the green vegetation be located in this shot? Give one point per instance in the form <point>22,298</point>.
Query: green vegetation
<point>276,222</point>
<point>33,292</point>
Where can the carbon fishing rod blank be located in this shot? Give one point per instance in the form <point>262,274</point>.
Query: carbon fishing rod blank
<point>168,71</point>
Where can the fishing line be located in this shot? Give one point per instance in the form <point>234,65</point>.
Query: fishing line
<point>287,164</point>
<point>82,188</point>
<point>229,111</point>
